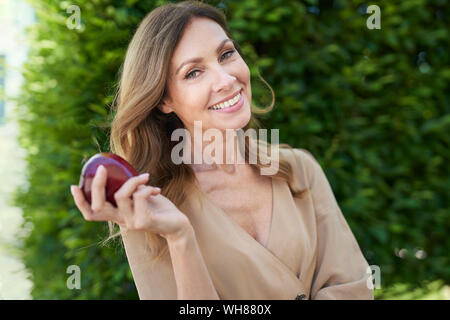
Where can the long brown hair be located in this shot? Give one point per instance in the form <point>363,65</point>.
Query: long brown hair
<point>140,132</point>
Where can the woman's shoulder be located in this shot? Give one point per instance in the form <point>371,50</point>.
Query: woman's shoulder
<point>303,164</point>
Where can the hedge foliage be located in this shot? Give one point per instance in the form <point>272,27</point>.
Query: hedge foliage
<point>371,105</point>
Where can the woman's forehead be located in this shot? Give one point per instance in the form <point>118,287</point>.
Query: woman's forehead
<point>200,36</point>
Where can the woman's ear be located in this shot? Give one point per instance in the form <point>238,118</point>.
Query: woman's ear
<point>165,107</point>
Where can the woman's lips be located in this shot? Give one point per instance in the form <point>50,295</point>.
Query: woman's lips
<point>237,106</point>
<point>228,99</point>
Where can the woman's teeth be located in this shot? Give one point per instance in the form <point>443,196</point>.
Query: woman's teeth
<point>226,104</point>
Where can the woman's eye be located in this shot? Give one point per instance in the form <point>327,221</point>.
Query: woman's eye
<point>190,74</point>
<point>231,53</point>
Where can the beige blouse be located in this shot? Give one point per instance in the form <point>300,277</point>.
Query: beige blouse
<point>311,252</point>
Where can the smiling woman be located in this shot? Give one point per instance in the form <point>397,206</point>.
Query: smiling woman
<point>216,234</point>
<point>172,77</point>
<point>207,77</point>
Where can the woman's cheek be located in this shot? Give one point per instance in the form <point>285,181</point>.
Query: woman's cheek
<point>245,71</point>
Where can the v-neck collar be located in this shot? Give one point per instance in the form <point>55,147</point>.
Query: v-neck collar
<point>238,227</point>
<point>220,238</point>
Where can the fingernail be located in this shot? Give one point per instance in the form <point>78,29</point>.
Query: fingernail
<point>72,189</point>
<point>158,188</point>
<point>144,175</point>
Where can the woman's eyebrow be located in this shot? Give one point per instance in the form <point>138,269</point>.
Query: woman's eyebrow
<point>197,59</point>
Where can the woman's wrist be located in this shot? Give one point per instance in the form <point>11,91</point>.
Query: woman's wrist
<point>191,274</point>
<point>183,235</point>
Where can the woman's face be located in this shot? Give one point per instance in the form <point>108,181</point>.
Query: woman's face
<point>219,73</point>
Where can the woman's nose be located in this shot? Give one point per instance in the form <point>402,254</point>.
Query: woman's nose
<point>224,81</point>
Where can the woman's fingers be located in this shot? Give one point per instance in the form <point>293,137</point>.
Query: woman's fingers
<point>124,200</point>
<point>108,213</point>
<point>81,203</point>
<point>98,189</point>
<point>123,195</point>
<point>156,190</point>
<point>131,197</point>
<point>140,198</point>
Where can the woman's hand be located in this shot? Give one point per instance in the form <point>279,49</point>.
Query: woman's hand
<point>139,207</point>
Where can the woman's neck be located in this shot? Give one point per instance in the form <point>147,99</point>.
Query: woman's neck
<point>224,154</point>
<point>228,168</point>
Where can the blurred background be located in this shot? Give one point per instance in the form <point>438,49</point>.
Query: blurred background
<point>367,95</point>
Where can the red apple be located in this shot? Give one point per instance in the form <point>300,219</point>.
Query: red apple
<point>119,171</point>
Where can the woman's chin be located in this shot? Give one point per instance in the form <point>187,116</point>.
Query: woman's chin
<point>232,121</point>
<point>234,124</point>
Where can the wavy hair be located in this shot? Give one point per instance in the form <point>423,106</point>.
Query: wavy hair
<point>140,132</point>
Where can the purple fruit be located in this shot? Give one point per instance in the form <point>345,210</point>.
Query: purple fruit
<point>119,171</point>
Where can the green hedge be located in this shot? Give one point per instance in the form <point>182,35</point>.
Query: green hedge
<point>371,105</point>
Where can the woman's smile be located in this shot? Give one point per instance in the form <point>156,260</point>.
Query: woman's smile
<point>230,105</point>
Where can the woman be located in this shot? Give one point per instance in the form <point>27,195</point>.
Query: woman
<point>214,230</point>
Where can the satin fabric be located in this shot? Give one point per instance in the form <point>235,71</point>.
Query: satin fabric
<point>311,252</point>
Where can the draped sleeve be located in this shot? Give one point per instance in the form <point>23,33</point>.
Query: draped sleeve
<point>154,280</point>
<point>341,271</point>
